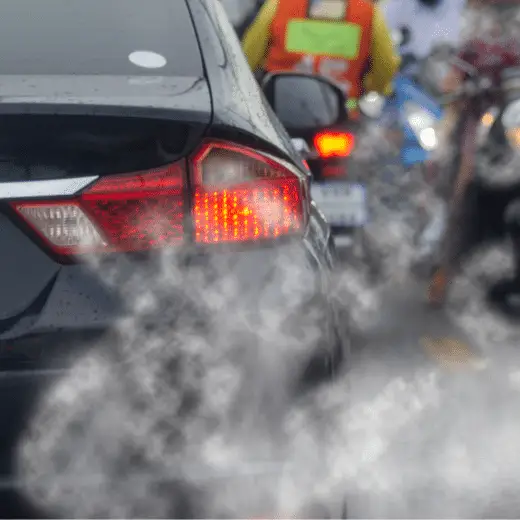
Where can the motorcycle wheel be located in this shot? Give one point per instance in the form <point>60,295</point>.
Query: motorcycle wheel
<point>504,296</point>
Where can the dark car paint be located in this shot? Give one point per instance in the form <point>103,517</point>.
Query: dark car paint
<point>73,287</point>
<point>244,110</point>
<point>240,112</point>
<point>74,306</point>
<point>69,37</point>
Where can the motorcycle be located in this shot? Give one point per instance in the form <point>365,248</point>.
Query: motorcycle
<point>417,111</point>
<point>488,142</point>
<point>336,188</point>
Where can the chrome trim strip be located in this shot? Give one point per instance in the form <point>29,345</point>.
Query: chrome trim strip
<point>47,188</point>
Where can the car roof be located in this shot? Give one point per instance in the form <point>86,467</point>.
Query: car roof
<point>98,37</point>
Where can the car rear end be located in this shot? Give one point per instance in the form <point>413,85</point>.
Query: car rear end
<point>105,167</point>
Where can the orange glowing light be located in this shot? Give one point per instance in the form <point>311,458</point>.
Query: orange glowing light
<point>334,144</point>
<point>488,119</point>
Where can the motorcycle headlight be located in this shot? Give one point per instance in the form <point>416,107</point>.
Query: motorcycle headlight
<point>422,123</point>
<point>511,122</point>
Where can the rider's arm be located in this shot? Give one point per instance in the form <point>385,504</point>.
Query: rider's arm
<point>384,60</point>
<point>255,42</point>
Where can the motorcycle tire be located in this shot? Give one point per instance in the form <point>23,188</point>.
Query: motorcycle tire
<point>500,297</point>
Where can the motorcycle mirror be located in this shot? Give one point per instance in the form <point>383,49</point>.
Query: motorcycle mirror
<point>305,102</point>
<point>407,35</point>
<point>372,104</point>
<point>401,36</point>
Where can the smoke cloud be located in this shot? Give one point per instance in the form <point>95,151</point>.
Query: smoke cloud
<point>194,411</point>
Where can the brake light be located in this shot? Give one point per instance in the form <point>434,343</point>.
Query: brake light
<point>334,144</point>
<point>135,212</point>
<point>239,195</point>
<point>243,195</point>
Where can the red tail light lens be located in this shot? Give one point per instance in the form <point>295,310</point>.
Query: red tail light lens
<point>334,144</point>
<point>239,195</point>
<point>242,195</point>
<point>135,212</point>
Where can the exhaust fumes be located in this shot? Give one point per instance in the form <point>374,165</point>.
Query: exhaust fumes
<point>199,384</point>
<point>194,412</point>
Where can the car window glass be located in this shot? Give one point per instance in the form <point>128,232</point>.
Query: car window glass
<point>98,37</point>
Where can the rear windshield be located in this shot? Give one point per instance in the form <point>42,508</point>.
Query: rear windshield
<point>114,37</point>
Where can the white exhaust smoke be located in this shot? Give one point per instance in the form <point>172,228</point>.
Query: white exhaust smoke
<point>195,416</point>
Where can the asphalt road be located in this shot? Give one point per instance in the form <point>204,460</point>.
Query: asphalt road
<point>450,433</point>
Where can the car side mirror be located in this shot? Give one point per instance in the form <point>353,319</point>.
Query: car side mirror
<point>305,102</point>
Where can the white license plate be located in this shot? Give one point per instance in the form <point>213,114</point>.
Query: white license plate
<point>343,204</point>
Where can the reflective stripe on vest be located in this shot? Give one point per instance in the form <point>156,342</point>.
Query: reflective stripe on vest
<point>338,50</point>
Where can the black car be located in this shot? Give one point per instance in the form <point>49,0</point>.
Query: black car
<point>133,134</point>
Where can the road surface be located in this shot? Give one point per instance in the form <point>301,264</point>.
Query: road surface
<point>454,451</point>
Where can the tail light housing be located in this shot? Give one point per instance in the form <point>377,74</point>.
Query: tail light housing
<point>334,144</point>
<point>118,213</point>
<point>238,195</point>
<point>242,195</point>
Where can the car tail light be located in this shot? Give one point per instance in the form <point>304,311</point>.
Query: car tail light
<point>121,213</point>
<point>239,195</point>
<point>334,144</point>
<point>243,195</point>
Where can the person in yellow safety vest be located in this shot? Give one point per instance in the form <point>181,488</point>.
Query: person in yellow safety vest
<point>347,41</point>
